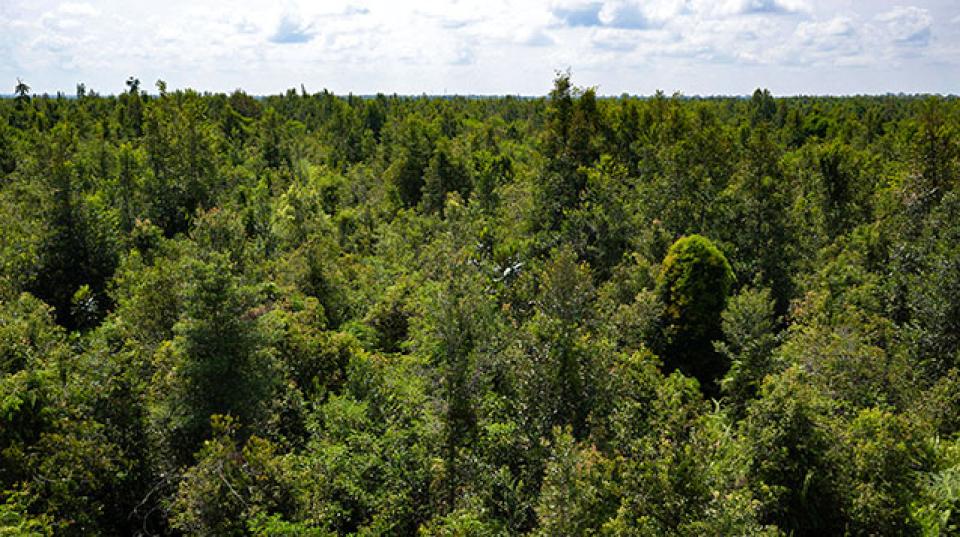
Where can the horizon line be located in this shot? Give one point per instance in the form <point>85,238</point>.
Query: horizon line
<point>676,94</point>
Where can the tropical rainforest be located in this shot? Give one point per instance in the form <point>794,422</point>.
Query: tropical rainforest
<point>313,315</point>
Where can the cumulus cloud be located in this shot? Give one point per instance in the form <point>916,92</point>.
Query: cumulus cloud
<point>69,17</point>
<point>577,13</point>
<point>908,26</point>
<point>826,34</point>
<point>450,18</point>
<point>373,45</point>
<point>655,14</point>
<point>750,7</point>
<point>625,14</point>
<point>245,26</point>
<point>81,9</point>
<point>769,6</point>
<point>613,40</point>
<point>463,56</point>
<point>291,30</point>
<point>534,37</point>
<point>832,41</point>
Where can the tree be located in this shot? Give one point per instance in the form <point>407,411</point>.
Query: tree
<point>750,335</point>
<point>569,147</point>
<point>128,186</point>
<point>230,485</point>
<point>685,177</point>
<point>796,475</point>
<point>132,109</point>
<point>444,174</point>
<point>694,283</point>
<point>490,172</point>
<point>574,497</point>
<point>457,330</point>
<point>935,152</point>
<point>181,148</point>
<point>31,348</point>
<point>758,226</point>
<point>885,452</point>
<point>216,363</point>
<point>22,116</point>
<point>599,228</point>
<point>762,106</point>
<point>8,156</point>
<point>563,372</point>
<point>80,247</point>
<point>22,91</point>
<point>16,519</point>
<point>273,134</point>
<point>681,469</point>
<point>413,146</point>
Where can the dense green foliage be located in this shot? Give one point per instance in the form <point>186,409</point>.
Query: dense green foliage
<point>694,283</point>
<point>316,315</point>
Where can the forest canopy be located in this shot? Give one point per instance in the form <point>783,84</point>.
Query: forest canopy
<point>311,314</point>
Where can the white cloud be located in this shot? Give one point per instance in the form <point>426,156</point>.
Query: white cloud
<point>614,40</point>
<point>292,30</point>
<point>577,12</point>
<point>534,37</point>
<point>80,9</point>
<point>475,46</point>
<point>830,36</point>
<point>750,7</point>
<point>626,14</point>
<point>814,31</point>
<point>463,56</point>
<point>831,42</point>
<point>909,26</point>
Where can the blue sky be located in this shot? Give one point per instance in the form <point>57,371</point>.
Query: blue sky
<point>697,47</point>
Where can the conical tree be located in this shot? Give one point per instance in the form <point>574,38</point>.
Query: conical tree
<point>694,284</point>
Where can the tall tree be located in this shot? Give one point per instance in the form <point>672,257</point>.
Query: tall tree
<point>80,248</point>
<point>216,363</point>
<point>570,147</point>
<point>694,283</point>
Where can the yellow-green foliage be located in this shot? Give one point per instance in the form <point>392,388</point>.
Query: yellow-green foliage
<point>694,284</point>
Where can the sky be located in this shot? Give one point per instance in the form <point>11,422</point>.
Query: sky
<point>485,47</point>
